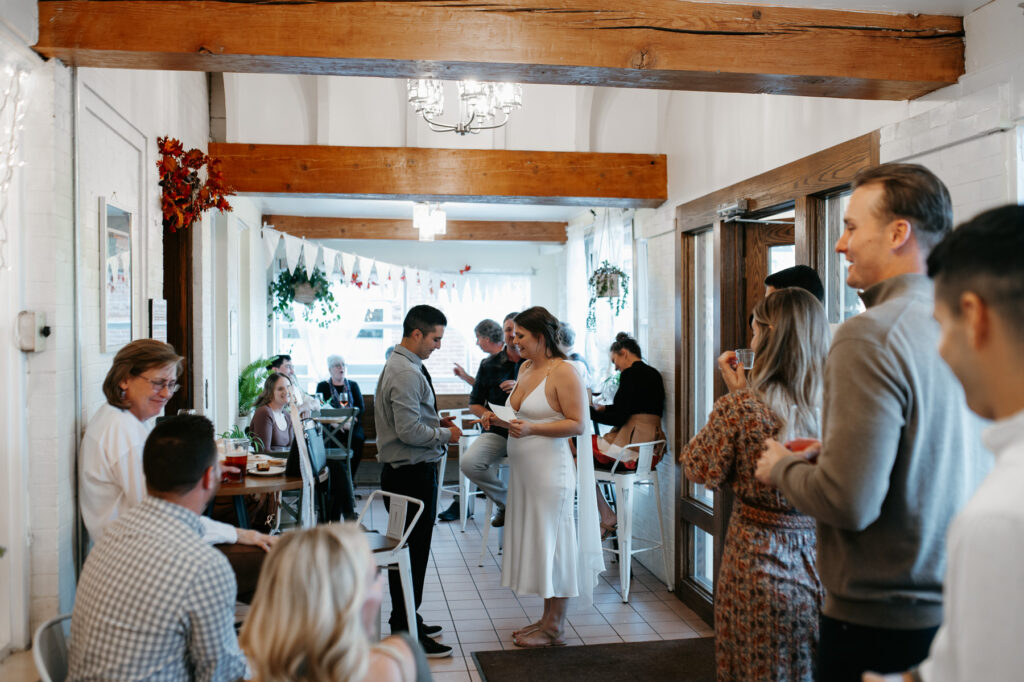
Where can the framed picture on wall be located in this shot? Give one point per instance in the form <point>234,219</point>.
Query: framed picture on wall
<point>115,276</point>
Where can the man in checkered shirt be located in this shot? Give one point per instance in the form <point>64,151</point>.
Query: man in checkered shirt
<point>155,602</point>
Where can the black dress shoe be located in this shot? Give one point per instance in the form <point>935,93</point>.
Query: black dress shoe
<point>434,649</point>
<point>451,513</point>
<point>433,631</point>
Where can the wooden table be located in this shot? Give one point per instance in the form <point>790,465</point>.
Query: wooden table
<point>255,485</point>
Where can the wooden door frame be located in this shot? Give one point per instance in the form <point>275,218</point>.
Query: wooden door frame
<point>805,183</point>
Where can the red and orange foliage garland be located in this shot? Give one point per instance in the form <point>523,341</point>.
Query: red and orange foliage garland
<point>184,197</point>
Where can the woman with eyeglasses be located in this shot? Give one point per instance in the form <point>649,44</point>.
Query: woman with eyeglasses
<point>143,377</point>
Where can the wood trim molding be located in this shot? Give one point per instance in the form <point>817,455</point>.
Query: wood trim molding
<point>668,44</point>
<point>428,174</point>
<point>818,172</point>
<point>379,228</point>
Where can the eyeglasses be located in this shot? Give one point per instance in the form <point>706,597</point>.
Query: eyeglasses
<point>172,386</point>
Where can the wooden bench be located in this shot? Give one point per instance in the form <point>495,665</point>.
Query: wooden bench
<point>450,401</point>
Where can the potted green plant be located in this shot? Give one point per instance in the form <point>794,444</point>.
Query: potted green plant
<point>237,434</point>
<point>313,291</point>
<point>250,383</point>
<point>608,281</point>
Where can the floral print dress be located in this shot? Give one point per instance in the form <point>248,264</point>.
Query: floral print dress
<point>768,593</point>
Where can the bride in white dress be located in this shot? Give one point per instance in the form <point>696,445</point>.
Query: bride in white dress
<point>547,552</point>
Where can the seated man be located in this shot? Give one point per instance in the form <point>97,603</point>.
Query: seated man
<point>154,600</point>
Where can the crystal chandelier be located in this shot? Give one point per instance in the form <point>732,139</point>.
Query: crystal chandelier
<point>482,106</point>
<point>429,219</point>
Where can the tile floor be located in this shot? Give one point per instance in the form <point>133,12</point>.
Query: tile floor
<point>478,614</point>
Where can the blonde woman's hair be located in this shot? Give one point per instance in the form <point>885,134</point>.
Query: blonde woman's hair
<point>790,357</point>
<point>134,359</point>
<point>306,619</point>
<point>266,396</point>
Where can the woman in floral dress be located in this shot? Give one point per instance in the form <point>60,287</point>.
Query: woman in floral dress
<point>768,593</point>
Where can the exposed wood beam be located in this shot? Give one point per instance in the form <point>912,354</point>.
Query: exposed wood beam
<point>422,174</point>
<point>379,228</point>
<point>668,44</point>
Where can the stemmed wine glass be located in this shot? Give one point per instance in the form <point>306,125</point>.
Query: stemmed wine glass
<point>343,398</point>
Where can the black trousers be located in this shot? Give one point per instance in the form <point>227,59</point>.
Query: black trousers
<point>845,650</point>
<point>418,481</point>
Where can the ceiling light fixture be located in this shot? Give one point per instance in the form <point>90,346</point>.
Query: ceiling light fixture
<point>429,219</point>
<point>482,106</point>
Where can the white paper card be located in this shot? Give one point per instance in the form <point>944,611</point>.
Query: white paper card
<point>502,412</point>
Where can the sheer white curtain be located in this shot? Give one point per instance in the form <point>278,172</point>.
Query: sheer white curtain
<point>576,282</point>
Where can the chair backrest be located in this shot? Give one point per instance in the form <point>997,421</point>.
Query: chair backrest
<point>315,447</point>
<point>341,413</point>
<point>643,462</point>
<point>50,649</point>
<point>399,526</point>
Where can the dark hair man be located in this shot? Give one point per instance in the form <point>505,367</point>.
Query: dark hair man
<point>411,439</point>
<point>978,272</point>
<point>899,455</point>
<point>154,600</point>
<point>801,276</point>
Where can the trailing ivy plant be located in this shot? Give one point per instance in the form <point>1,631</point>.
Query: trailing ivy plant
<point>602,285</point>
<point>322,310</point>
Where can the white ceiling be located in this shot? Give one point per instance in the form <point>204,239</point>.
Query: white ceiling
<point>371,208</point>
<point>950,7</point>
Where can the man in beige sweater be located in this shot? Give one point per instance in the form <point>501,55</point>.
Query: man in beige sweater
<point>899,455</point>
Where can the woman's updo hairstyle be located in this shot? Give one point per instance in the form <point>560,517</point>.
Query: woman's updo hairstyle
<point>539,321</point>
<point>624,341</point>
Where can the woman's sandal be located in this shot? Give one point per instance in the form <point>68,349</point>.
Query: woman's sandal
<point>607,530</point>
<point>550,640</point>
<point>526,630</point>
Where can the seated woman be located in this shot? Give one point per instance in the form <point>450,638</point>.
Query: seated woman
<point>768,593</point>
<point>635,414</point>
<point>271,422</point>
<point>142,378</point>
<point>313,616</point>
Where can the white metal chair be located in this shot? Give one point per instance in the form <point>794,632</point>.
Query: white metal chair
<point>486,521</point>
<point>464,486</point>
<point>391,549</point>
<point>50,649</point>
<point>625,480</point>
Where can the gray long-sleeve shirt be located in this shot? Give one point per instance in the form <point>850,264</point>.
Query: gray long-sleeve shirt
<point>900,456</point>
<point>408,427</point>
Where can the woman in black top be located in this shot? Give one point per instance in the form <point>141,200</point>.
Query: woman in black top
<point>635,413</point>
<point>333,391</point>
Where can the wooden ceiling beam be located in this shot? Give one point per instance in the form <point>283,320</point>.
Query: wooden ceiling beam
<point>668,44</point>
<point>381,228</point>
<point>427,174</point>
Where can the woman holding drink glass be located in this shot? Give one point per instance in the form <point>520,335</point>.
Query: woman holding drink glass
<point>340,391</point>
<point>768,593</point>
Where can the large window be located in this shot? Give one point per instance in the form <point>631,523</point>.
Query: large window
<point>841,301</point>
<point>371,322</point>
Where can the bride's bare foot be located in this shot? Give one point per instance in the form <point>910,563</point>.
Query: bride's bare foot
<point>528,629</point>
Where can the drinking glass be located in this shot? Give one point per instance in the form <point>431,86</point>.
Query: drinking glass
<point>186,412</point>
<point>745,356</point>
<point>800,436</point>
<point>343,398</point>
<point>236,454</point>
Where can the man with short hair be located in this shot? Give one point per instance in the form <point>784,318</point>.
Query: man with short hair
<point>479,464</point>
<point>411,439</point>
<point>979,304</point>
<point>489,339</point>
<point>899,453</point>
<point>154,600</point>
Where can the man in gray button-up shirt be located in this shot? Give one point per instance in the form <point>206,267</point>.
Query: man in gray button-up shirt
<point>411,438</point>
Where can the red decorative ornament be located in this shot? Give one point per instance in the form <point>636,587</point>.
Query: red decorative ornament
<point>185,196</point>
<point>463,271</point>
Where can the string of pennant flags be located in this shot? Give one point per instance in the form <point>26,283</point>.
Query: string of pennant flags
<point>352,269</point>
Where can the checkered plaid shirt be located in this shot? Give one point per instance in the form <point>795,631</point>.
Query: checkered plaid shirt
<point>155,602</point>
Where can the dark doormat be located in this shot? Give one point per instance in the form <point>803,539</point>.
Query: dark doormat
<point>685,660</point>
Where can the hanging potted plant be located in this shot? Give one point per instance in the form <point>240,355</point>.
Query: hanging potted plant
<point>608,281</point>
<point>185,195</point>
<point>312,291</point>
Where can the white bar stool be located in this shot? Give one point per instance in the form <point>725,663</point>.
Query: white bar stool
<point>503,475</point>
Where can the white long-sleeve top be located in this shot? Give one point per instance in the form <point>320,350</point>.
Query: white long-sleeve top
<point>110,473</point>
<point>984,586</point>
